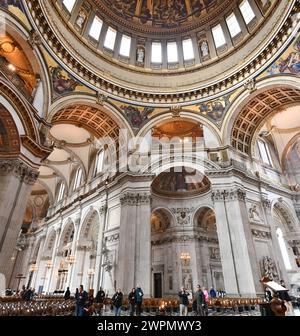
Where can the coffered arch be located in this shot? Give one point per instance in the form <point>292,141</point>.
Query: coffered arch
<point>252,114</point>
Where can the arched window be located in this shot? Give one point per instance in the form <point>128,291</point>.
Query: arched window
<point>283,249</point>
<point>61,191</point>
<point>264,152</point>
<point>78,178</point>
<point>99,163</point>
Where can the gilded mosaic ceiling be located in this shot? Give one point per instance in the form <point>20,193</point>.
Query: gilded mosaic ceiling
<point>162,13</point>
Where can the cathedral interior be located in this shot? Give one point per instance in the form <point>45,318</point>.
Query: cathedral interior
<point>150,142</point>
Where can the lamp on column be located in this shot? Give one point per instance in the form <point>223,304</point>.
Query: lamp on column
<point>91,273</point>
<point>49,264</point>
<point>185,257</point>
<point>71,259</point>
<point>33,267</point>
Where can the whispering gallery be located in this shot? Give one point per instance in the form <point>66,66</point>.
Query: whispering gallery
<point>149,144</point>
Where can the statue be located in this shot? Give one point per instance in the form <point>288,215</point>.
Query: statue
<point>204,49</point>
<point>140,55</point>
<point>269,268</point>
<point>81,19</point>
<point>254,214</point>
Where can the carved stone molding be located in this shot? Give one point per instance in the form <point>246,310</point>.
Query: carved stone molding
<point>266,203</point>
<point>34,39</point>
<point>228,195</point>
<point>113,238</point>
<point>135,199</point>
<point>184,238</point>
<point>101,98</point>
<point>102,209</point>
<point>261,234</point>
<point>183,215</point>
<point>20,170</point>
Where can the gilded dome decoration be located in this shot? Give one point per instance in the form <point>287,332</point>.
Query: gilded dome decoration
<point>162,13</point>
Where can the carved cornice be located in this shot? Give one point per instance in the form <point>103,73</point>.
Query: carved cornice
<point>135,199</point>
<point>184,238</point>
<point>113,87</point>
<point>261,234</point>
<point>228,195</point>
<point>102,209</point>
<point>183,215</point>
<point>20,170</point>
<point>266,203</point>
<point>113,238</point>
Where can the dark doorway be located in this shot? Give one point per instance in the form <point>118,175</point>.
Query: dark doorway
<point>157,285</point>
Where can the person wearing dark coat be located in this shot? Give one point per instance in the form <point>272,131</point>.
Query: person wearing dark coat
<point>131,301</point>
<point>138,300</point>
<point>80,298</point>
<point>67,294</point>
<point>200,300</point>
<point>184,301</point>
<point>117,301</point>
<point>100,296</point>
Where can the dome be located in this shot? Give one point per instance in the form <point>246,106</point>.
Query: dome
<point>163,52</point>
<point>162,16</point>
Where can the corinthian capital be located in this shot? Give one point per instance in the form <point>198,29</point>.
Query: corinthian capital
<point>20,170</point>
<point>228,195</point>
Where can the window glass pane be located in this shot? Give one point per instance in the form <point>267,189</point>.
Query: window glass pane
<point>283,249</point>
<point>233,25</point>
<point>69,4</point>
<point>188,50</point>
<point>110,38</point>
<point>125,46</point>
<point>218,35</point>
<point>99,162</point>
<point>156,54</point>
<point>96,28</point>
<point>247,11</point>
<point>172,52</point>
<point>264,152</point>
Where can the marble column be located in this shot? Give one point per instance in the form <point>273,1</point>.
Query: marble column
<point>278,259</point>
<point>71,270</point>
<point>99,261</point>
<point>134,260</point>
<point>236,244</point>
<point>50,279</point>
<point>16,181</point>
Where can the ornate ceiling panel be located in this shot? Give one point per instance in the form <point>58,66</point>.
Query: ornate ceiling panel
<point>212,72</point>
<point>94,120</point>
<point>164,14</point>
<point>252,116</point>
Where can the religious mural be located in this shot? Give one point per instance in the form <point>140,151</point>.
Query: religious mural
<point>14,3</point>
<point>136,117</point>
<point>161,13</point>
<point>180,181</point>
<point>62,83</point>
<point>289,62</point>
<point>215,109</point>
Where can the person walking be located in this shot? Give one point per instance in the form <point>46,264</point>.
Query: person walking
<point>67,294</point>
<point>131,301</point>
<point>200,300</point>
<point>184,302</point>
<point>138,300</point>
<point>80,298</point>
<point>117,301</point>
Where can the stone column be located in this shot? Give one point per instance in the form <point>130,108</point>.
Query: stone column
<point>134,260</point>
<point>72,266</point>
<point>16,180</point>
<point>235,240</point>
<point>54,253</point>
<point>278,259</point>
<point>98,264</point>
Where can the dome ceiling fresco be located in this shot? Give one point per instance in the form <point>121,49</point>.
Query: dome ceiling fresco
<point>162,13</point>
